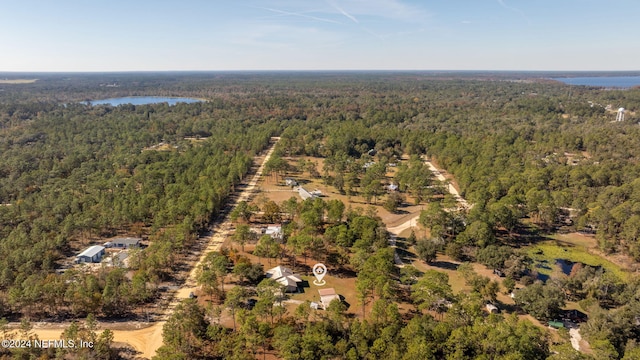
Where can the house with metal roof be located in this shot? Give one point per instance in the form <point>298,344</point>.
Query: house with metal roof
<point>123,243</point>
<point>92,254</point>
<point>327,296</point>
<point>285,277</point>
<point>304,194</point>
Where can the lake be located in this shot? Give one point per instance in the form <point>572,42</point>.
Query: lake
<point>623,82</point>
<point>143,100</point>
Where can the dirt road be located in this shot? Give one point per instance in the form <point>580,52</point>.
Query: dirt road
<point>394,231</point>
<point>147,340</point>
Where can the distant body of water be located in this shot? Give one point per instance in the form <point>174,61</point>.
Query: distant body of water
<point>143,100</point>
<point>624,82</point>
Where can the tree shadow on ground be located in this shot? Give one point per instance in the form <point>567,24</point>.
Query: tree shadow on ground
<point>445,265</point>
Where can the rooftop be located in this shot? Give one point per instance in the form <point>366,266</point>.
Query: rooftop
<point>91,251</point>
<point>125,240</point>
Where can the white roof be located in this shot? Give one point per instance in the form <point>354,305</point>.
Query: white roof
<point>273,229</point>
<point>287,281</point>
<point>278,272</point>
<point>304,194</point>
<point>91,251</point>
<point>327,296</point>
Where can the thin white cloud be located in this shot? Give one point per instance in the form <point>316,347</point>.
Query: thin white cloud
<point>299,14</point>
<point>353,18</point>
<point>391,9</point>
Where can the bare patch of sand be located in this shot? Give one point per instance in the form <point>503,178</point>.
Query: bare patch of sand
<point>17,81</point>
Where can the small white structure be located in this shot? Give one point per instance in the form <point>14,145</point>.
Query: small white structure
<point>620,114</point>
<point>392,187</point>
<point>316,193</point>
<point>314,305</point>
<point>285,277</point>
<point>327,296</point>
<point>304,194</point>
<point>492,309</point>
<point>290,182</point>
<point>275,231</point>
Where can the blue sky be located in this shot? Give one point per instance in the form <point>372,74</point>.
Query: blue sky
<point>132,35</point>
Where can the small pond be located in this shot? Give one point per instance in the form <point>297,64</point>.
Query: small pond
<point>565,265</point>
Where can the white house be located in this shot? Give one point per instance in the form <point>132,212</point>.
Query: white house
<point>285,277</point>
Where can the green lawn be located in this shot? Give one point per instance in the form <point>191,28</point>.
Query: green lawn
<point>344,286</point>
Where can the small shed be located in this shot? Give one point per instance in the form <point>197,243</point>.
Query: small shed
<point>556,324</point>
<point>290,182</point>
<point>92,254</point>
<point>327,296</point>
<point>492,309</point>
<point>275,231</point>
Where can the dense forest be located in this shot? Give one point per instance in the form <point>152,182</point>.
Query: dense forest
<point>528,153</point>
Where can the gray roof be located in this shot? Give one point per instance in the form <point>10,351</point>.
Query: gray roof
<point>91,251</point>
<point>126,241</point>
<point>304,194</point>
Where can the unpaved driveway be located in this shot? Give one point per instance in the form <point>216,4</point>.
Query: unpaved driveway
<point>148,340</point>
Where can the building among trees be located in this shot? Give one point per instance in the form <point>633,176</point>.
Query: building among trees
<point>327,296</point>
<point>304,194</point>
<point>123,243</point>
<point>92,254</point>
<point>285,277</point>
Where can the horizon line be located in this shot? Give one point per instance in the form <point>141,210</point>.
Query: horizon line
<point>309,71</point>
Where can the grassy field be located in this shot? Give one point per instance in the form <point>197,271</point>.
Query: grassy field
<point>546,253</point>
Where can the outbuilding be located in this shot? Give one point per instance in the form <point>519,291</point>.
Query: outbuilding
<point>492,309</point>
<point>304,194</point>
<point>275,231</point>
<point>327,296</point>
<point>92,254</point>
<point>290,182</point>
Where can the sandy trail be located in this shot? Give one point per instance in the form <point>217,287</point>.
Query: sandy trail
<point>412,222</point>
<point>394,231</point>
<point>575,338</point>
<point>149,339</point>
